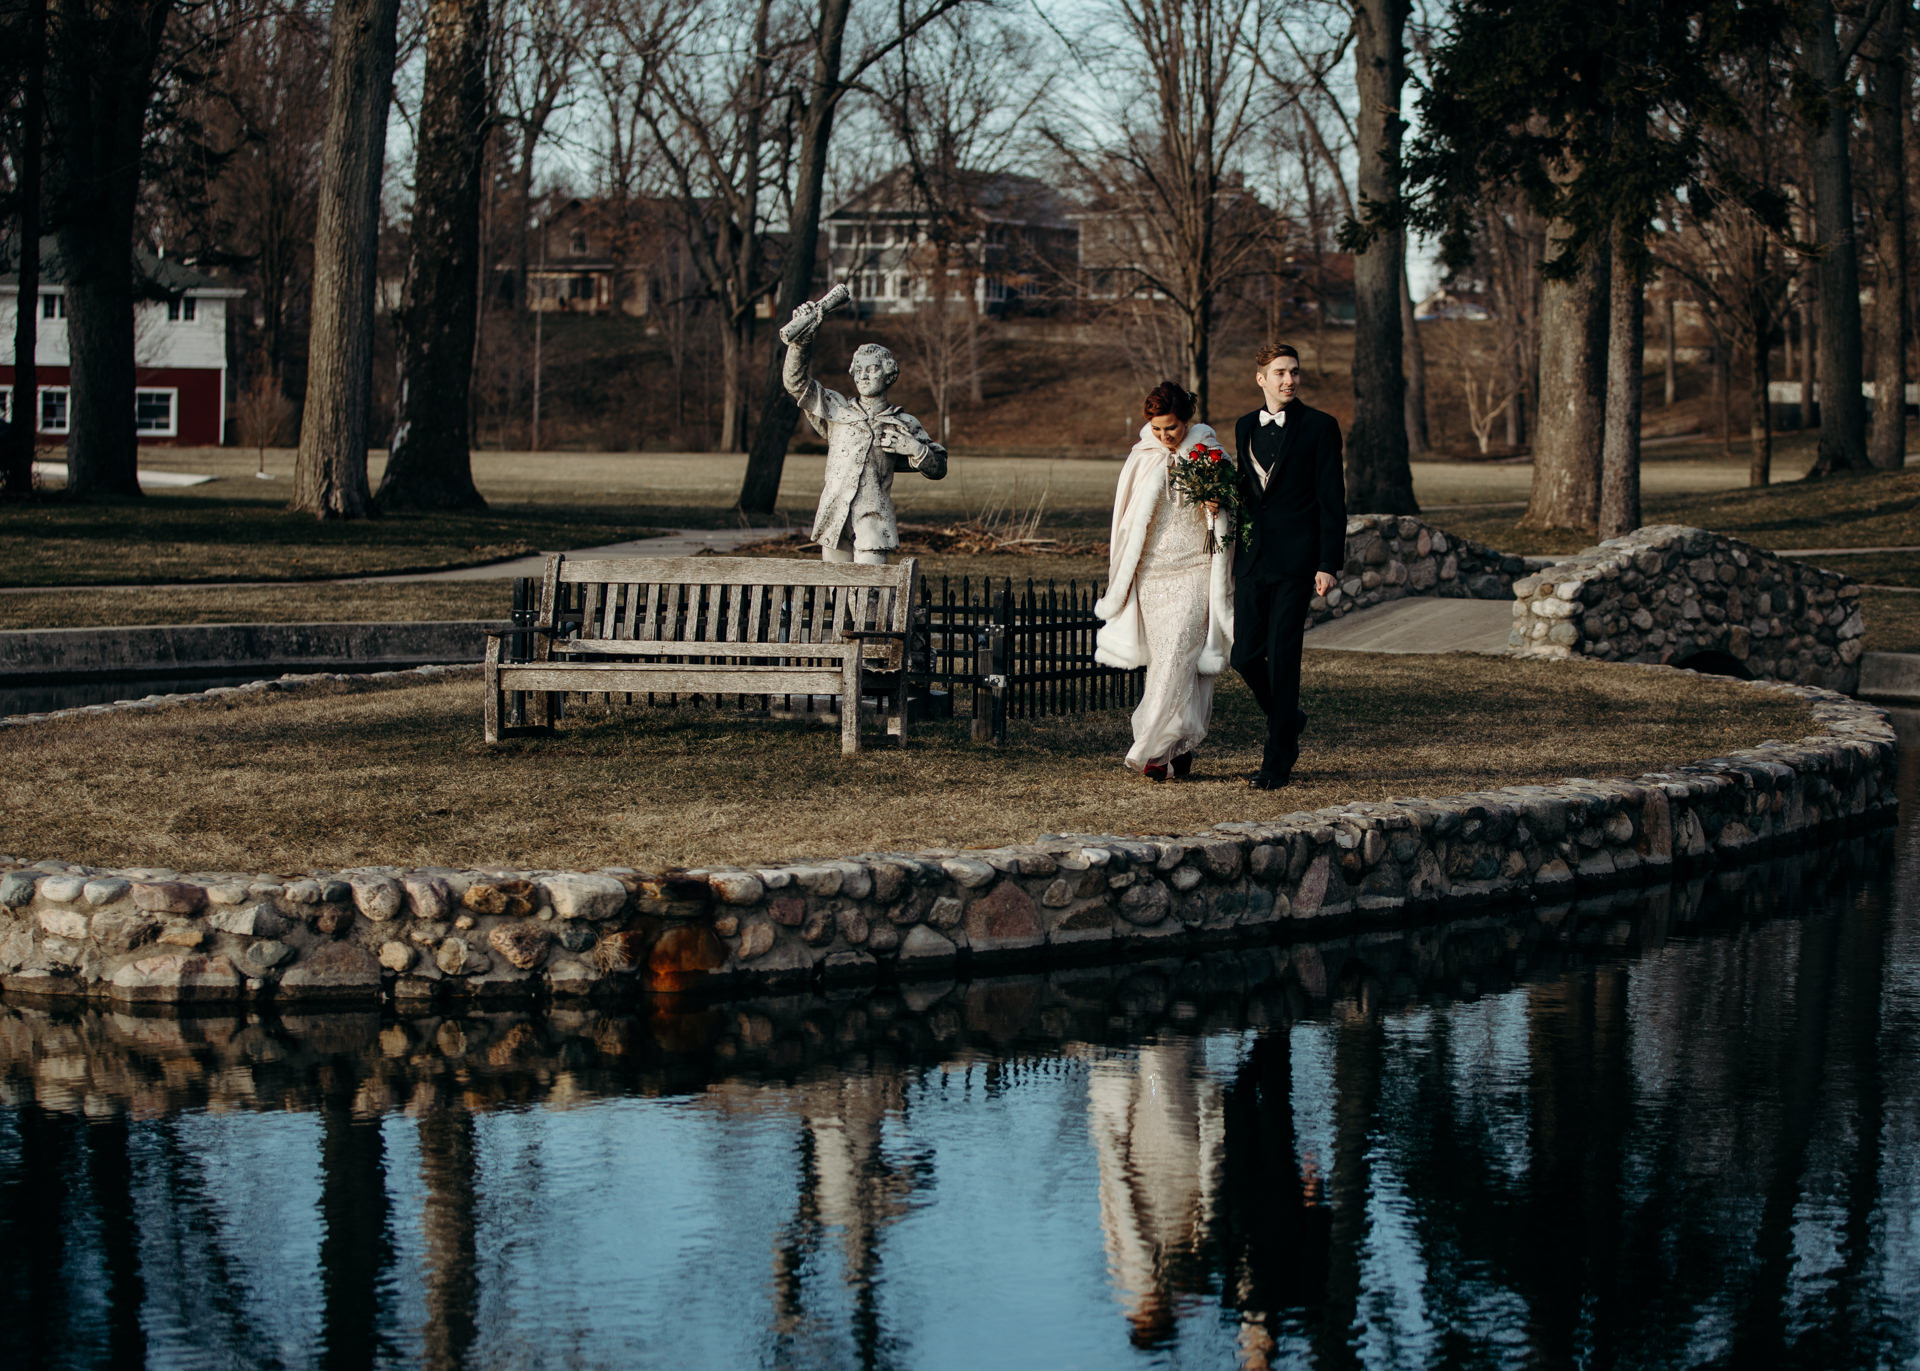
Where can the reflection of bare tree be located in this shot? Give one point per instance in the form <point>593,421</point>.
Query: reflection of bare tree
<point>845,1184</point>
<point>447,1164</point>
<point>356,1249</point>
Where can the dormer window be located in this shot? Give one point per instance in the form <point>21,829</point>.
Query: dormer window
<point>181,310</point>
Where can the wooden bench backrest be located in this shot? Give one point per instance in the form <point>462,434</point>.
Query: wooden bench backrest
<point>728,599</point>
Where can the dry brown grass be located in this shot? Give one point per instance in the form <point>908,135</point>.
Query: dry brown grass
<point>319,603</point>
<point>343,776</point>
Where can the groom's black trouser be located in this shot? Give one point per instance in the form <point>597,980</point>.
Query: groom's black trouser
<point>1269,621</point>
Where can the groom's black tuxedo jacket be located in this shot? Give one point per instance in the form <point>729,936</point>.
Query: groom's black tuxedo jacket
<point>1300,520</point>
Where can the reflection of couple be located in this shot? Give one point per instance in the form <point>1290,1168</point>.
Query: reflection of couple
<point>1184,614</point>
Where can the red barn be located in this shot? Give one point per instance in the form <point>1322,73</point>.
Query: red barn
<point>180,349</point>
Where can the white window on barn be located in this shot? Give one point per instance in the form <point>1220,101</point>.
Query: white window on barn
<point>181,310</point>
<point>53,409</point>
<point>155,412</point>
<point>53,306</point>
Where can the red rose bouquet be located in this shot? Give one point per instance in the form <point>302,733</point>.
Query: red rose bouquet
<point>1201,476</point>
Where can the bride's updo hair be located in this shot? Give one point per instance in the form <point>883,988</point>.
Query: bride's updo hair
<point>1168,398</point>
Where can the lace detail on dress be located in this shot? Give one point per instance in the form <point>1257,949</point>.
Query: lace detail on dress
<point>1172,585</point>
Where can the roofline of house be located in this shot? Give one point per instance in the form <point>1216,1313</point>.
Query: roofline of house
<point>10,285</point>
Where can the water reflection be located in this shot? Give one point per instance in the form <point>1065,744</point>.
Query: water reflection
<point>1677,1129</point>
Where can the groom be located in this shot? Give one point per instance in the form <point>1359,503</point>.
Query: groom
<point>1293,498</point>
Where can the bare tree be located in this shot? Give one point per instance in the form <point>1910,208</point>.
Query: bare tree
<point>29,130</point>
<point>330,471</point>
<point>1180,86</point>
<point>104,61</point>
<point>955,103</point>
<point>828,78</point>
<point>1887,100</point>
<point>1379,479</point>
<point>431,463</point>
<point>1730,241</point>
<point>1825,67</point>
<point>711,110</point>
<point>540,43</point>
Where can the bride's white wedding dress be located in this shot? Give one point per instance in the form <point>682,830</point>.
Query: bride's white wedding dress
<point>1169,602</point>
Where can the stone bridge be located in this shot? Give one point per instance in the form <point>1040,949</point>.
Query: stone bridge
<point>1393,556</point>
<point>1689,598</point>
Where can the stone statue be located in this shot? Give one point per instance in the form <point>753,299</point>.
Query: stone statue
<point>866,438</point>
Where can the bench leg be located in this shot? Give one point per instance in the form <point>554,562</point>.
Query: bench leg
<point>850,703</point>
<point>492,692</point>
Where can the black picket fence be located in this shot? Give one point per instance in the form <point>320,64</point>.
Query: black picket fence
<point>1023,654</point>
<point>1017,653</point>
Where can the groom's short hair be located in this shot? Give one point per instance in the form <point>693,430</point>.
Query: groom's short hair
<point>1269,351</point>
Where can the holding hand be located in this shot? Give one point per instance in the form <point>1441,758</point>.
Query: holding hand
<point>1322,582</point>
<point>896,439</point>
<point>804,324</point>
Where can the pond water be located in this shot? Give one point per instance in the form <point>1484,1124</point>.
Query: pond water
<point>1678,1128</point>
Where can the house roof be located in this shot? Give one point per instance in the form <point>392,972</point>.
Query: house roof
<point>161,275</point>
<point>1001,196</point>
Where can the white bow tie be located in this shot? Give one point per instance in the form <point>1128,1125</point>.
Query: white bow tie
<point>1267,416</point>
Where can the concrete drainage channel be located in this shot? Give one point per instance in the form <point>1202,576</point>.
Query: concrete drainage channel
<point>43,670</point>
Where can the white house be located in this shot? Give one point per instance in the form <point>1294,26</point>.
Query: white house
<point>180,351</point>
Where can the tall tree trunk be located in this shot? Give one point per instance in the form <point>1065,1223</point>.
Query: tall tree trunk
<point>16,463</point>
<point>1573,381</point>
<point>102,82</point>
<point>732,384</point>
<point>431,466</point>
<point>778,413</point>
<point>1807,359</point>
<point>1419,436</point>
<point>1760,410</point>
<point>330,470</point>
<point>1379,480</point>
<point>1843,433</point>
<point>1626,362</point>
<point>1669,377</point>
<point>1892,321</point>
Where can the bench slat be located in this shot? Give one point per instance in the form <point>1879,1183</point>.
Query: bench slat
<point>601,677</point>
<point>725,571</point>
<point>631,625</point>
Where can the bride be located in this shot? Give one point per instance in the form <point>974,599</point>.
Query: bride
<point>1169,602</point>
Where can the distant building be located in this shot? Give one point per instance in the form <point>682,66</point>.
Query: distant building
<point>1455,302</point>
<point>1008,242</point>
<point>180,350</point>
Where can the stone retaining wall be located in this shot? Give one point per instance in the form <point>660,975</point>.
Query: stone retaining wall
<point>1667,593</point>
<point>495,1056</point>
<point>1391,556</point>
<point>414,935</point>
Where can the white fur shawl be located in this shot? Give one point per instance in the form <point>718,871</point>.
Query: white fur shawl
<point>1122,641</point>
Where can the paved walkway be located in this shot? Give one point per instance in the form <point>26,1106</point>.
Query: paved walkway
<point>1419,624</point>
<point>677,542</point>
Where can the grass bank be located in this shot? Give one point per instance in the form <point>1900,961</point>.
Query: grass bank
<point>1854,509</point>
<point>354,775</point>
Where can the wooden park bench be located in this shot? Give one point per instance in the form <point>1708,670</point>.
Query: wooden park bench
<point>711,626</point>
